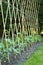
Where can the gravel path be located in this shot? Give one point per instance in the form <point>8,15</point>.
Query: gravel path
<point>25,55</point>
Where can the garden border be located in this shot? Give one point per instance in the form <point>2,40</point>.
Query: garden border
<point>25,55</point>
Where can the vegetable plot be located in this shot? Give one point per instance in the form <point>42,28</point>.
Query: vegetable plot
<point>16,47</point>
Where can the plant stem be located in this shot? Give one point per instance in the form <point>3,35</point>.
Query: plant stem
<point>8,58</point>
<point>0,62</point>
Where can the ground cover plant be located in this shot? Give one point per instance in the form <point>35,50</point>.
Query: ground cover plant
<point>16,47</point>
<point>36,58</point>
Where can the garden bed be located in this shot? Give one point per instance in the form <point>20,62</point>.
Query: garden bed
<point>25,55</point>
<point>17,51</point>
